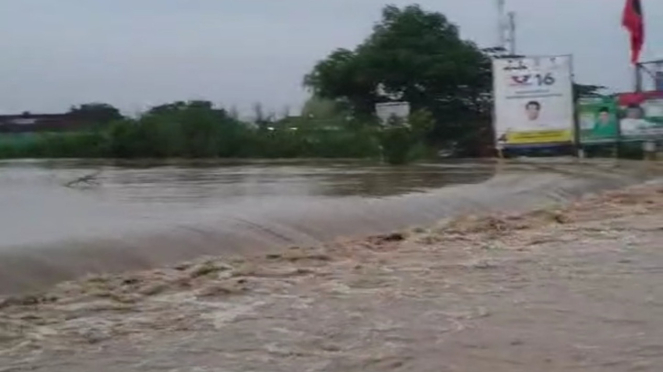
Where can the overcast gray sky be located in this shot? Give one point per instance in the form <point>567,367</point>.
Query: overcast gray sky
<point>132,53</point>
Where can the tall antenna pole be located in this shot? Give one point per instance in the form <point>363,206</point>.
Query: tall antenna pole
<point>511,33</point>
<point>501,42</point>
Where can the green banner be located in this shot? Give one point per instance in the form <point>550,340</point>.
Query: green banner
<point>641,116</point>
<point>598,119</point>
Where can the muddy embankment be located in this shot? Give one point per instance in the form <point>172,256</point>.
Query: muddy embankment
<point>514,187</point>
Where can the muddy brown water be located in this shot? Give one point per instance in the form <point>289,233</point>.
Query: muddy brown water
<point>140,215</point>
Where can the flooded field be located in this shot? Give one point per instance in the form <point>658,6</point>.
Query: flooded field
<point>63,219</point>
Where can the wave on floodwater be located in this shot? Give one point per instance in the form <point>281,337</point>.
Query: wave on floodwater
<point>138,217</point>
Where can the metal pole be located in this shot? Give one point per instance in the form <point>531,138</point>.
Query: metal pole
<point>512,33</point>
<point>579,151</point>
<point>618,139</point>
<point>638,77</point>
<point>500,24</point>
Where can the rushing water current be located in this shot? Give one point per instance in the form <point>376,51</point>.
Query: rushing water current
<point>62,219</point>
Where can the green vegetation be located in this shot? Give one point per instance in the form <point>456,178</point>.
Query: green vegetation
<point>402,142</point>
<point>416,56</point>
<point>198,130</point>
<point>83,144</point>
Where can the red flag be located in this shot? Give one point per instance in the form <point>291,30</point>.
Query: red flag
<point>633,21</point>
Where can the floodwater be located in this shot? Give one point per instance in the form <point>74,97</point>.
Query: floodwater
<point>47,201</point>
<point>138,215</point>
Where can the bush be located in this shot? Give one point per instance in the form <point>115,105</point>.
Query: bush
<point>53,145</point>
<point>404,142</point>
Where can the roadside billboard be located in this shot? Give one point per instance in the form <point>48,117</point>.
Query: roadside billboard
<point>642,115</point>
<point>598,119</point>
<point>386,110</point>
<point>533,100</point>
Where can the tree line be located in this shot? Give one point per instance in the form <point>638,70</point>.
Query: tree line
<point>197,129</point>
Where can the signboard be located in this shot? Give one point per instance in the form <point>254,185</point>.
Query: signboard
<point>599,119</point>
<point>386,110</point>
<point>642,115</point>
<point>533,100</point>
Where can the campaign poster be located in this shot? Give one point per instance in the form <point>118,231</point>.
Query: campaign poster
<point>598,119</point>
<point>533,100</point>
<point>641,115</point>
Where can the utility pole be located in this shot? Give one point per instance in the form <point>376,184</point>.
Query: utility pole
<point>501,41</point>
<point>511,33</point>
<point>506,29</point>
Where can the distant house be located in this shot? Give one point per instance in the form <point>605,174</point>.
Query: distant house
<point>28,122</point>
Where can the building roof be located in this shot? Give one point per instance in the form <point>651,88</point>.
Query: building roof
<point>28,122</point>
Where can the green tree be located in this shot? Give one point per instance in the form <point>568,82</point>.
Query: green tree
<point>416,56</point>
<point>96,113</point>
<point>321,109</point>
<point>586,90</point>
<point>262,119</point>
<point>179,129</point>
